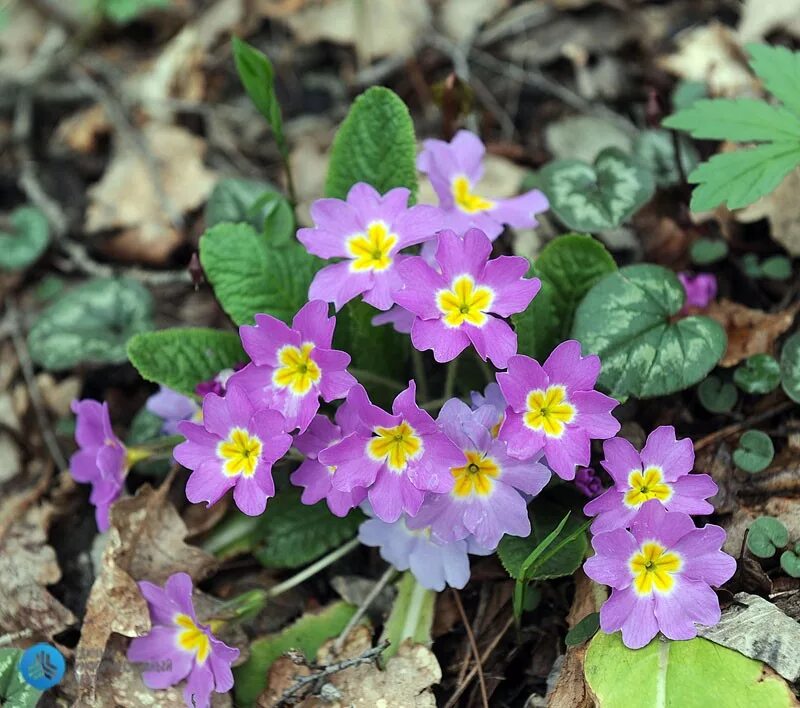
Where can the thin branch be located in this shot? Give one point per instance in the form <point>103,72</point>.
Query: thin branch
<point>473,645</point>
<point>313,569</point>
<point>382,582</point>
<point>734,428</point>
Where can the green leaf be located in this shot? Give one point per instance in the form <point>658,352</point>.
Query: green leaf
<point>375,144</point>
<point>687,92</point>
<point>626,319</point>
<point>750,265</point>
<point>306,635</point>
<point>656,151</point>
<point>790,562</point>
<point>741,177</point>
<point>779,69</point>
<point>739,119</point>
<point>600,196</point>
<point>686,674</point>
<point>705,251</point>
<point>584,630</point>
<point>539,325</point>
<point>776,268</point>
<point>249,276</point>
<point>790,367</point>
<point>755,451</point>
<point>716,395</point>
<point>29,240</point>
<point>181,358</point>
<point>258,77</point>
<point>411,616</point>
<point>15,691</point>
<point>760,373</point>
<point>123,11</point>
<point>256,203</point>
<point>91,324</point>
<point>765,536</point>
<point>289,535</point>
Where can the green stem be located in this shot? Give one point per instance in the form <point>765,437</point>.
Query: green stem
<point>450,379</point>
<point>313,569</point>
<point>159,444</point>
<point>433,405</point>
<point>419,374</point>
<point>369,377</point>
<point>484,367</point>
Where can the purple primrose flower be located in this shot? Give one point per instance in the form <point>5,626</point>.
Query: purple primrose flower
<point>235,446</point>
<point>700,289</point>
<point>661,573</point>
<point>555,408</point>
<point>491,396</point>
<point>185,647</point>
<point>172,407</point>
<point>464,301</point>
<point>293,366</point>
<point>588,482</point>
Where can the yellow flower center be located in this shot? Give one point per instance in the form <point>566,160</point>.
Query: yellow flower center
<point>192,639</point>
<point>395,446</point>
<point>298,371</point>
<point>653,568</point>
<point>465,199</point>
<point>240,453</point>
<point>549,411</point>
<point>647,485</point>
<point>475,476</point>
<point>370,250</point>
<point>464,302</point>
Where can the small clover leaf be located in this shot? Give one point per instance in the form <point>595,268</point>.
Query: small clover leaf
<point>755,451</point>
<point>765,536</point>
<point>716,395</point>
<point>790,561</point>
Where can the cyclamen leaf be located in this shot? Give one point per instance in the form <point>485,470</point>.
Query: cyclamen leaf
<point>249,276</point>
<point>15,691</point>
<point>765,536</point>
<point>181,358</point>
<point>29,240</point>
<point>779,69</point>
<point>626,320</point>
<point>740,119</point>
<point>375,144</point>
<point>755,451</point>
<point>656,151</point>
<point>739,178</point>
<point>790,367</point>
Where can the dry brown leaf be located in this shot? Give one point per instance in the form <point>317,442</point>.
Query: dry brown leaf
<point>711,54</point>
<point>27,566</point>
<point>21,33</point>
<point>749,331</point>
<point>782,208</point>
<point>461,19</point>
<point>145,542</point>
<point>130,197</point>
<point>81,131</point>
<point>760,17</point>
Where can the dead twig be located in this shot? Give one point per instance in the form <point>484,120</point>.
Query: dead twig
<point>473,646</point>
<point>734,428</point>
<point>382,582</point>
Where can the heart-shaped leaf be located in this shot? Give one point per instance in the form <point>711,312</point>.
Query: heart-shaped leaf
<point>765,536</point>
<point>91,324</point>
<point>627,319</point>
<point>705,251</point>
<point>790,367</point>
<point>15,691</point>
<point>655,149</point>
<point>716,395</point>
<point>790,562</point>
<point>776,268</point>
<point>28,241</point>
<point>759,373</point>
<point>600,196</point>
<point>755,451</point>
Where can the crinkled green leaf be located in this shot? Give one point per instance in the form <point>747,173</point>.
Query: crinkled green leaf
<point>306,635</point>
<point>411,616</point>
<point>29,240</point>
<point>15,691</point>
<point>375,144</point>
<point>755,451</point>
<point>779,69</point>
<point>790,367</point>
<point>655,149</point>
<point>251,275</point>
<point>760,373</point>
<point>684,674</point>
<point>91,324</point>
<point>600,196</point>
<point>626,319</point>
<point>181,358</point>
<point>765,536</point>
<point>251,201</point>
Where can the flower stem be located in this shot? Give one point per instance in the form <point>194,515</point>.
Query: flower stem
<point>369,377</point>
<point>450,379</point>
<point>419,374</point>
<point>484,367</point>
<point>313,569</point>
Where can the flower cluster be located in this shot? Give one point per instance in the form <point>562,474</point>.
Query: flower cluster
<point>647,549</point>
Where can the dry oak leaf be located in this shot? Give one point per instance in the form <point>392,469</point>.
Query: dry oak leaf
<point>131,197</point>
<point>749,331</point>
<point>145,542</point>
<point>28,565</point>
<point>782,209</point>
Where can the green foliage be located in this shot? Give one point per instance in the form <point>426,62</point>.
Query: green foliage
<point>568,267</point>
<point>776,268</point>
<point>250,274</point>
<point>684,674</point>
<point>760,373</point>
<point>656,151</point>
<point>765,536</point>
<point>181,358</point>
<point>411,616</point>
<point>253,202</point>
<point>626,319</point>
<point>687,92</point>
<point>790,561</point>
<point>306,635</point>
<point>123,11</point>
<point>374,144</point>
<point>91,324</point>
<point>15,691</point>
<point>706,251</point>
<point>755,451</point>
<point>29,239</point>
<point>790,367</point>
<point>739,178</point>
<point>584,630</point>
<point>716,395</point>
<point>290,534</point>
<point>600,196</point>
